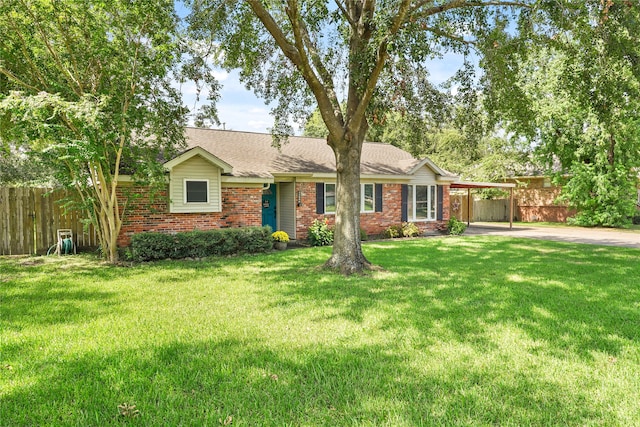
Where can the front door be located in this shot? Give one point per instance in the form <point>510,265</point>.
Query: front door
<point>269,207</point>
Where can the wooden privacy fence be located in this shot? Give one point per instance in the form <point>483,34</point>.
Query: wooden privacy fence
<point>491,210</point>
<point>481,210</point>
<point>30,218</point>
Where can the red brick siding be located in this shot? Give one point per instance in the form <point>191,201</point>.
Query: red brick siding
<point>241,207</point>
<point>374,222</point>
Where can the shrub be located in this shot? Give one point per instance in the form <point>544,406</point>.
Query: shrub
<point>406,229</point>
<point>455,227</point>
<point>409,229</point>
<point>600,195</point>
<point>363,235</point>
<point>198,244</point>
<point>636,219</point>
<point>393,231</point>
<point>319,233</point>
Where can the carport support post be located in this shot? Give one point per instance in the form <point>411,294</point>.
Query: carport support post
<point>510,208</point>
<point>468,206</point>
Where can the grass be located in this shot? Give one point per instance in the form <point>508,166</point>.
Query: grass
<point>455,331</point>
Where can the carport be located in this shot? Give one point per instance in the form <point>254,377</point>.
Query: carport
<point>471,185</point>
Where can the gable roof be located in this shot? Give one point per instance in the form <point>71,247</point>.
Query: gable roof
<point>199,151</point>
<point>252,155</point>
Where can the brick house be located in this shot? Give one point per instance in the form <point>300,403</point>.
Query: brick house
<point>535,198</point>
<point>238,179</point>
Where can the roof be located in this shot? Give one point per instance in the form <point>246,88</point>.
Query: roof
<point>469,184</point>
<point>253,155</point>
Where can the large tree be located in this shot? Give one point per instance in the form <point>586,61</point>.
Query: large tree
<point>357,59</point>
<point>89,88</point>
<point>583,93</point>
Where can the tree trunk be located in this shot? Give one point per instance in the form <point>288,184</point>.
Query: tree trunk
<point>611,151</point>
<point>108,224</point>
<point>347,256</point>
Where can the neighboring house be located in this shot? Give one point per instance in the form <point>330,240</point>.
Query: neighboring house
<point>535,200</point>
<point>238,179</point>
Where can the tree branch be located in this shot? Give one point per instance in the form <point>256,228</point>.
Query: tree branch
<point>304,42</point>
<point>346,15</point>
<point>459,4</point>
<point>46,39</point>
<point>450,36</point>
<point>295,52</point>
<point>34,68</point>
<point>381,59</point>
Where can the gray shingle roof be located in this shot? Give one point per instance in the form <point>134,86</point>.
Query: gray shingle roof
<point>252,154</point>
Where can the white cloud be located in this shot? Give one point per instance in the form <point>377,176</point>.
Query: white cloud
<point>220,75</point>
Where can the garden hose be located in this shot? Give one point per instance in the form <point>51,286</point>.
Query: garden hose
<point>67,246</point>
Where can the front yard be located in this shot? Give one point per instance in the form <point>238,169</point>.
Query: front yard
<point>454,331</point>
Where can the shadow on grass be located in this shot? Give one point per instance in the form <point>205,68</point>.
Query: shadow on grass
<point>204,383</point>
<point>571,299</point>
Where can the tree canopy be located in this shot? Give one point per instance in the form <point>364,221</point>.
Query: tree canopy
<point>88,87</point>
<point>582,94</point>
<point>358,59</point>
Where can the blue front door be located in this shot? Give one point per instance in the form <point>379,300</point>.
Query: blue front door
<point>269,207</point>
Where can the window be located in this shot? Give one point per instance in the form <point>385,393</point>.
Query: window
<point>367,203</point>
<point>330,198</point>
<point>196,191</point>
<point>421,202</point>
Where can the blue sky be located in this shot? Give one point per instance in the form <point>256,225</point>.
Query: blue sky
<point>239,109</point>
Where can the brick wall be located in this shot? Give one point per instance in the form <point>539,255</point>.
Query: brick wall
<point>374,222</point>
<point>241,207</point>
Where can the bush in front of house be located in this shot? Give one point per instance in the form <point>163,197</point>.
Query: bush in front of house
<point>198,244</point>
<point>409,229</point>
<point>406,229</point>
<point>319,233</point>
<point>455,227</point>
<point>393,231</point>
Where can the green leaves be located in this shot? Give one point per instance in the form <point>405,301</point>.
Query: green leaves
<point>89,88</point>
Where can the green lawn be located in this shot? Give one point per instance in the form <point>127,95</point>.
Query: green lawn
<point>454,331</point>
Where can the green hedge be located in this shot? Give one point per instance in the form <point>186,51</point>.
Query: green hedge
<point>198,244</point>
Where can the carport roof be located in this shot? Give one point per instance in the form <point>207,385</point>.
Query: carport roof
<point>464,184</point>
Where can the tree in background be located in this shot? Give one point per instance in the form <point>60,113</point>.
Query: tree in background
<point>88,88</point>
<point>583,109</point>
<point>459,145</point>
<point>356,60</point>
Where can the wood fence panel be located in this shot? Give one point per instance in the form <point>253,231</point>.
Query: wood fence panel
<point>5,229</point>
<point>30,218</point>
<point>491,210</point>
<point>17,220</point>
<point>459,207</point>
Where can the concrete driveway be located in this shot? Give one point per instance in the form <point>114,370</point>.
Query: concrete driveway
<point>594,236</point>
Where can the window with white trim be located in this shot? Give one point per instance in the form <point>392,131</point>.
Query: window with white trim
<point>329,198</point>
<point>421,202</point>
<point>367,199</point>
<point>196,191</point>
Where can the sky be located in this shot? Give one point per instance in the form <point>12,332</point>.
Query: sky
<point>239,109</point>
